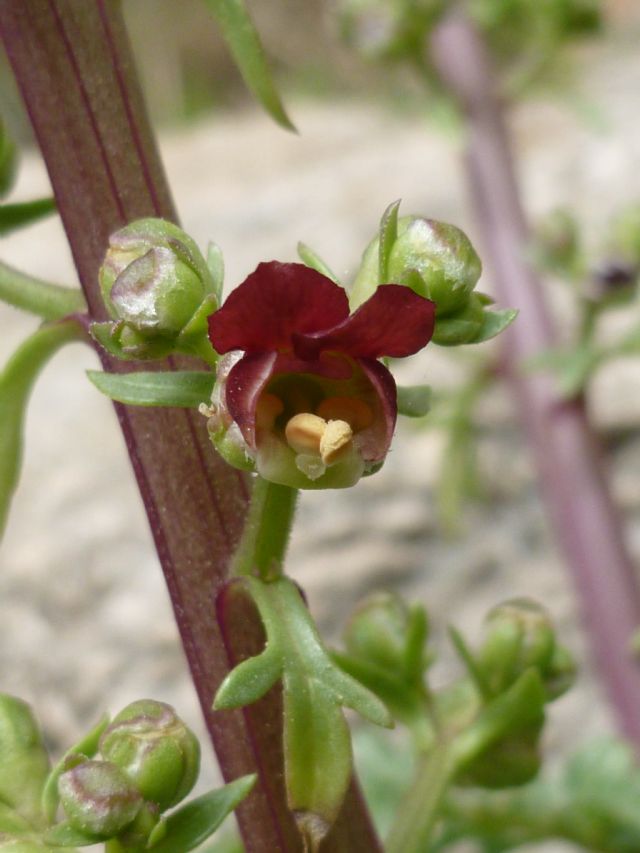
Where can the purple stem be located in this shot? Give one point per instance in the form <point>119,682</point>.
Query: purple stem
<point>73,64</point>
<point>569,462</point>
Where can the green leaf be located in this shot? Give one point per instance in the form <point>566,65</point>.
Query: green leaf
<point>16,382</point>
<point>191,825</point>
<point>414,401</point>
<point>46,300</point>
<point>244,42</point>
<point>87,746</point>
<point>315,262</point>
<point>11,822</point>
<point>494,322</point>
<point>249,681</point>
<point>180,388</point>
<point>13,216</point>
<point>388,236</point>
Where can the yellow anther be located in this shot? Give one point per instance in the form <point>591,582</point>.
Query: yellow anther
<point>268,408</point>
<point>335,439</point>
<point>304,433</point>
<point>350,409</point>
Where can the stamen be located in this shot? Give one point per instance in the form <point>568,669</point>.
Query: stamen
<point>268,408</point>
<point>304,433</point>
<point>350,409</point>
<point>335,440</point>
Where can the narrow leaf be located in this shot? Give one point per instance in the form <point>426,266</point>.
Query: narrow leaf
<point>19,214</point>
<point>181,388</point>
<point>414,401</point>
<point>315,262</point>
<point>16,382</point>
<point>191,825</point>
<point>244,43</point>
<point>351,694</point>
<point>388,236</point>
<point>248,681</point>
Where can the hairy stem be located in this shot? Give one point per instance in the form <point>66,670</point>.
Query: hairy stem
<point>266,533</point>
<point>46,300</point>
<point>72,62</point>
<point>587,526</point>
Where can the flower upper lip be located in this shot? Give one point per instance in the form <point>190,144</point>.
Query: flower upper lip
<point>290,307</point>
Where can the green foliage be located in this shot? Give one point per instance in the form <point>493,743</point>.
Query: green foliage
<point>180,388</point>
<point>245,45</point>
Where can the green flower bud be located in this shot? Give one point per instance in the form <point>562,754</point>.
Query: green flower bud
<point>24,763</point>
<point>433,258</point>
<point>153,281</point>
<point>377,631</point>
<point>98,798</point>
<point>514,760</point>
<point>519,635</point>
<point>155,748</point>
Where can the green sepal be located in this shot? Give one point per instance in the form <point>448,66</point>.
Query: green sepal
<point>86,747</point>
<point>315,262</point>
<point>215,263</point>
<point>414,401</point>
<point>519,708</point>
<point>494,322</point>
<point>65,835</point>
<point>244,43</point>
<point>387,235</point>
<point>109,335</point>
<point>16,381</point>
<point>471,664</point>
<point>19,214</point>
<point>12,823</point>
<point>176,388</point>
<point>191,825</point>
<point>194,338</point>
<point>249,681</point>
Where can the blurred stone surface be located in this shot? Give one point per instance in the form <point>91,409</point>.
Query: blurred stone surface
<point>86,619</point>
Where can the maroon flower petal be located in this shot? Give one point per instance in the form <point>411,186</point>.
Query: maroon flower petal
<point>275,301</point>
<point>395,321</point>
<point>243,387</point>
<point>374,443</point>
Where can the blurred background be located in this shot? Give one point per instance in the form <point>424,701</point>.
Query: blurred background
<point>86,618</point>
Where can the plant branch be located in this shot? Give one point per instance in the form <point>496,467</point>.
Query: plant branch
<point>72,62</point>
<point>47,300</point>
<point>569,464</point>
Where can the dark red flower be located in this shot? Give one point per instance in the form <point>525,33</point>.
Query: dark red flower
<point>300,393</point>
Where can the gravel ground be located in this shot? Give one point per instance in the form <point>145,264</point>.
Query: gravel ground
<point>86,615</point>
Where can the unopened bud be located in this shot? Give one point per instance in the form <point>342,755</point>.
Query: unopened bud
<point>98,798</point>
<point>24,763</point>
<point>154,278</point>
<point>433,258</point>
<point>519,635</point>
<point>379,631</point>
<point>156,750</point>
